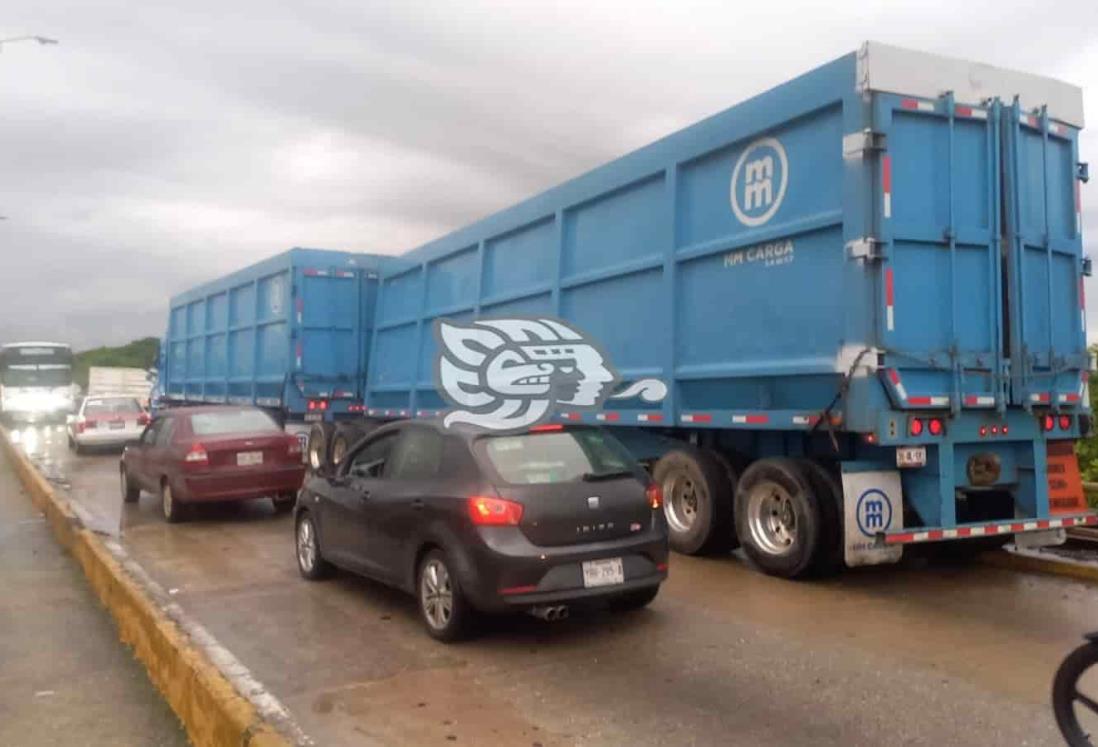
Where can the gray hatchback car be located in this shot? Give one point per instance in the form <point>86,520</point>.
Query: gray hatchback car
<point>473,523</point>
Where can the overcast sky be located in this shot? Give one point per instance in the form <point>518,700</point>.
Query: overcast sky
<point>161,144</point>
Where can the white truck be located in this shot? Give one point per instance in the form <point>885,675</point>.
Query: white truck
<point>133,382</point>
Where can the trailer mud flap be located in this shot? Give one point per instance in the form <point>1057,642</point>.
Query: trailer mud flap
<point>872,503</point>
<point>1065,484</point>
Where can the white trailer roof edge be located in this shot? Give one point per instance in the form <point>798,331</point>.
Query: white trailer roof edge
<point>882,67</point>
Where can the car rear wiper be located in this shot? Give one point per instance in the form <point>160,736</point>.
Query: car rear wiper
<point>596,476</point>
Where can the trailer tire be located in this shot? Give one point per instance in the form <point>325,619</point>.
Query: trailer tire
<point>347,434</point>
<point>778,517</point>
<point>319,446</point>
<point>698,492</point>
<point>829,498</point>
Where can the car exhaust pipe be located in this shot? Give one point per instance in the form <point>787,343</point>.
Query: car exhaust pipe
<point>550,613</point>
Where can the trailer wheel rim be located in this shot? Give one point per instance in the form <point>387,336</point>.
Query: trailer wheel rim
<point>167,501</point>
<point>315,447</point>
<point>436,594</point>
<point>306,545</point>
<point>772,518</point>
<point>682,496</point>
<point>339,450</point>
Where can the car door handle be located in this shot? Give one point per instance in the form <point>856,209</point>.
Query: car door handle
<point>418,504</point>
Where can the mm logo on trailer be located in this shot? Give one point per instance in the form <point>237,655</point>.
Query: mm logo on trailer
<point>759,181</point>
<point>874,512</point>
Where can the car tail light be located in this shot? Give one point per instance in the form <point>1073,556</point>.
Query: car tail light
<point>197,455</point>
<point>1048,423</point>
<point>655,496</point>
<point>143,419</point>
<point>915,427</point>
<point>1065,422</point>
<point>935,426</point>
<point>293,447</point>
<point>87,423</point>
<point>494,512</point>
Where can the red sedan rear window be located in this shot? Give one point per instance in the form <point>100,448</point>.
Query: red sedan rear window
<point>232,421</point>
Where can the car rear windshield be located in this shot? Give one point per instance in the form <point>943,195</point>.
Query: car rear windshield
<point>556,456</point>
<point>232,421</point>
<point>101,407</point>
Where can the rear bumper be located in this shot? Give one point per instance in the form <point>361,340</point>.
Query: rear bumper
<point>507,572</point>
<point>994,529</point>
<point>107,437</point>
<point>241,484</point>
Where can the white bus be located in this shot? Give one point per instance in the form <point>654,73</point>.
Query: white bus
<point>35,381</point>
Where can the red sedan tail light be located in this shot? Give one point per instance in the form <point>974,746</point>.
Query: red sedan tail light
<point>494,512</point>
<point>293,447</point>
<point>197,455</point>
<point>86,423</point>
<point>143,419</point>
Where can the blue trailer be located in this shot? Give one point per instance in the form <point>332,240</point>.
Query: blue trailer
<point>291,334</point>
<point>863,289</point>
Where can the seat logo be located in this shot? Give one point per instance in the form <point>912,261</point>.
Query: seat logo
<point>759,180</point>
<point>506,375</point>
<point>874,512</point>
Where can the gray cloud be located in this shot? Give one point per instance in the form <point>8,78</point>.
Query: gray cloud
<point>165,143</point>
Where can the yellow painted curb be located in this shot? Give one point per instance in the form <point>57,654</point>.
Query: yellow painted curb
<point>213,712</point>
<point>1016,562</point>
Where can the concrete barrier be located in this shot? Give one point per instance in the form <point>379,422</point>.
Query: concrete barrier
<point>211,693</point>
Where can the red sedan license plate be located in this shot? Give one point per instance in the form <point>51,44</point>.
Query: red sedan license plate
<point>249,458</point>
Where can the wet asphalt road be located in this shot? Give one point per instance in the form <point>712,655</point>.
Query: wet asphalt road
<point>912,655</point>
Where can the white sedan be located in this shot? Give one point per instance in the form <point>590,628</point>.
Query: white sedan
<point>105,422</point>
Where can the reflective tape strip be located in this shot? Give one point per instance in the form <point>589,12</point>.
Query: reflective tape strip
<point>1039,397</point>
<point>805,419</point>
<point>1028,119</point>
<point>314,273</point>
<point>650,417</point>
<point>979,400</point>
<point>886,184</point>
<point>571,416</point>
<point>1070,397</point>
<point>890,298</point>
<point>968,111</point>
<point>929,401</point>
<point>751,419</point>
<point>1058,128</point>
<point>917,105</point>
<point>608,416</point>
<point>697,418</point>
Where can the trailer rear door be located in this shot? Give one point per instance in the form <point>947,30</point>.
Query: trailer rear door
<point>938,214</point>
<point>327,350</point>
<point>1047,318</point>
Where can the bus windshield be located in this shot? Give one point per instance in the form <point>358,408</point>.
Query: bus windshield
<point>35,365</point>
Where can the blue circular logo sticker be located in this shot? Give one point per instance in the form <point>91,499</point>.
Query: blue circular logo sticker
<point>874,512</point>
<point>759,180</point>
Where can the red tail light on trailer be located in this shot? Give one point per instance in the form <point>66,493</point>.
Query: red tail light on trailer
<point>1065,422</point>
<point>915,427</point>
<point>1048,423</point>
<point>935,426</point>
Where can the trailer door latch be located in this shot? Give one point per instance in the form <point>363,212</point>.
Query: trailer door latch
<point>858,144</point>
<point>866,248</point>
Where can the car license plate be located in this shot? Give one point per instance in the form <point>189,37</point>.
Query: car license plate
<point>603,572</point>
<point>911,456</point>
<point>117,425</point>
<point>249,458</point>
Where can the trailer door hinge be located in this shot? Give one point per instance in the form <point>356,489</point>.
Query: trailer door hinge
<point>1082,171</point>
<point>1088,266</point>
<point>857,144</point>
<point>867,248</point>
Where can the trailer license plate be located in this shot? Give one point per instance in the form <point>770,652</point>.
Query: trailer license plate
<point>603,572</point>
<point>910,456</point>
<point>249,458</point>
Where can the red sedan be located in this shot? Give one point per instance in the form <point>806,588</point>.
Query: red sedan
<point>198,454</point>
